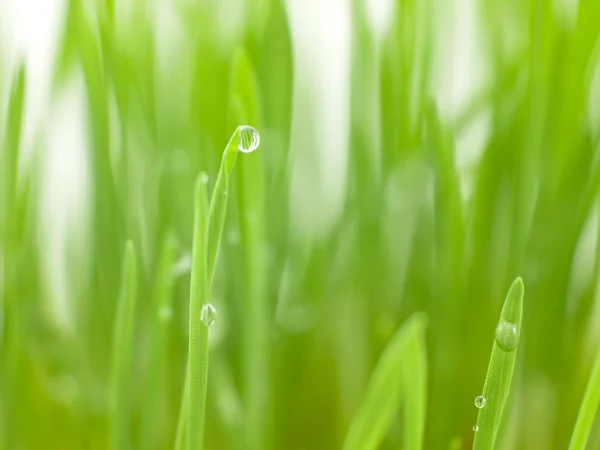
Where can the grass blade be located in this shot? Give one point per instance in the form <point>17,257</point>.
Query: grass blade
<point>122,351</point>
<point>414,371</point>
<point>401,368</point>
<point>218,203</point>
<point>162,312</point>
<point>216,222</point>
<point>198,339</point>
<point>501,368</point>
<point>9,155</point>
<point>587,410</point>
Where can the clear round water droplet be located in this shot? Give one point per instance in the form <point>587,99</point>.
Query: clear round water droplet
<point>165,313</point>
<point>249,139</point>
<point>480,401</point>
<point>475,428</point>
<point>204,178</point>
<point>208,315</point>
<point>507,335</point>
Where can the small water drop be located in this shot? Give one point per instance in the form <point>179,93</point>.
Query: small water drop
<point>249,139</point>
<point>475,428</point>
<point>204,178</point>
<point>165,313</point>
<point>507,335</point>
<point>208,315</point>
<point>480,401</point>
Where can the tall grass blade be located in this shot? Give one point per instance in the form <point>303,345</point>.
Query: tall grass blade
<point>161,320</point>
<point>123,352</point>
<point>400,369</point>
<point>500,369</point>
<point>587,410</point>
<point>198,339</point>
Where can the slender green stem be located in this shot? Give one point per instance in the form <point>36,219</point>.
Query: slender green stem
<point>161,320</point>
<point>500,370</point>
<point>400,370</point>
<point>198,339</point>
<point>587,410</point>
<point>122,351</point>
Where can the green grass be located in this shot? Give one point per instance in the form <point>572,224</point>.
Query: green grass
<point>121,398</point>
<point>500,371</point>
<point>400,377</point>
<point>587,410</point>
<point>198,347</point>
<point>322,284</point>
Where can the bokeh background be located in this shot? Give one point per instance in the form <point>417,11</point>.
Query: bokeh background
<point>415,156</point>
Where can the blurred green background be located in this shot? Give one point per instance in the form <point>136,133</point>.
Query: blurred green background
<point>334,234</point>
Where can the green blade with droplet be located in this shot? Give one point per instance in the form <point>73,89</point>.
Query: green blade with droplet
<point>501,367</point>
<point>399,377</point>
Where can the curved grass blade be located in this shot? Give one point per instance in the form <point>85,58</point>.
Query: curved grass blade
<point>587,410</point>
<point>501,368</point>
<point>122,351</point>
<point>401,369</point>
<point>198,339</point>
<point>218,203</point>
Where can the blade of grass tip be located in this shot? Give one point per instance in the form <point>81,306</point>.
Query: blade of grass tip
<point>587,409</point>
<point>201,316</point>
<point>218,203</point>
<point>158,344</point>
<point>500,370</point>
<point>122,353</point>
<point>388,387</point>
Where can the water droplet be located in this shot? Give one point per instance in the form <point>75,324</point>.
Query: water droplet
<point>165,313</point>
<point>507,335</point>
<point>249,139</point>
<point>208,315</point>
<point>475,428</point>
<point>480,401</point>
<point>204,178</point>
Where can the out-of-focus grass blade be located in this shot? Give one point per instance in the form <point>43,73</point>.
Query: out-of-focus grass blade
<point>9,156</point>
<point>252,215</point>
<point>415,390</point>
<point>587,410</point>
<point>400,376</point>
<point>198,339</point>
<point>500,370</point>
<point>122,353</point>
<point>161,319</point>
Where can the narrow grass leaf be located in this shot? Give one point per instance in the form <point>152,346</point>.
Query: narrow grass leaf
<point>122,353</point>
<point>162,312</point>
<point>388,387</point>
<point>198,338</point>
<point>414,370</point>
<point>587,410</point>
<point>500,369</point>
